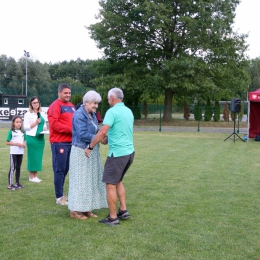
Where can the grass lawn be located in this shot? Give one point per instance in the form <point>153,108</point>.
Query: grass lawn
<point>190,196</point>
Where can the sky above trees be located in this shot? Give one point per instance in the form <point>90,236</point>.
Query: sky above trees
<point>54,31</point>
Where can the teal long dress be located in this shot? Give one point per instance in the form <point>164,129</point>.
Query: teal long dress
<point>35,147</point>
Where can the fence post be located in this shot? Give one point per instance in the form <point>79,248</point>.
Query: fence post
<point>199,119</point>
<point>160,129</point>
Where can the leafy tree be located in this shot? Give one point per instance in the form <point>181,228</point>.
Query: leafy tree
<point>13,74</point>
<point>254,71</point>
<point>75,99</point>
<point>39,81</point>
<point>173,47</point>
<point>2,65</point>
<point>8,67</point>
<point>69,81</point>
<point>216,116</point>
<point>79,71</point>
<point>198,112</point>
<point>8,72</point>
<point>208,111</point>
<point>104,105</point>
<point>35,70</point>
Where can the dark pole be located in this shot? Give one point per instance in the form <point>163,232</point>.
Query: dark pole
<point>27,55</point>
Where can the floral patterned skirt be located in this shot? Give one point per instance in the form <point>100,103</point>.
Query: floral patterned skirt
<point>86,189</point>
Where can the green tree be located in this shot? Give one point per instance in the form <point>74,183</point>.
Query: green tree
<point>75,99</point>
<point>79,71</point>
<point>69,81</point>
<point>198,112</point>
<point>208,111</point>
<point>13,74</point>
<point>8,75</point>
<point>173,47</point>
<point>8,68</point>
<point>104,105</point>
<point>39,80</point>
<point>254,71</point>
<point>216,116</point>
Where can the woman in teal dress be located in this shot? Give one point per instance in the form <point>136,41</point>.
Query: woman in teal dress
<point>34,124</point>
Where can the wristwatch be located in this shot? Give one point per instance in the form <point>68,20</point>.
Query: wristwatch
<point>88,147</point>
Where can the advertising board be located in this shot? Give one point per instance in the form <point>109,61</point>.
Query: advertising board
<point>7,113</point>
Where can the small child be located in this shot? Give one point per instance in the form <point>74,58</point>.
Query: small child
<point>16,138</point>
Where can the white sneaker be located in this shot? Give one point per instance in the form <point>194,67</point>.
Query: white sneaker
<point>61,201</point>
<point>65,197</point>
<point>34,180</point>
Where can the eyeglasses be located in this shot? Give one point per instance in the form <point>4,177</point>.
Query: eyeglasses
<point>35,103</point>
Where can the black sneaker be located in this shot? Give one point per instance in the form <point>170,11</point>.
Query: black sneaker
<point>123,214</point>
<point>110,221</point>
<point>12,187</point>
<point>19,186</point>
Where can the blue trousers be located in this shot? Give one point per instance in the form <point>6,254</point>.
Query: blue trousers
<point>60,165</point>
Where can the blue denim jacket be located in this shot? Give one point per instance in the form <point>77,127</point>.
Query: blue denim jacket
<point>83,128</point>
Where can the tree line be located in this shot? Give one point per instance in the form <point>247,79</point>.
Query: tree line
<point>157,51</point>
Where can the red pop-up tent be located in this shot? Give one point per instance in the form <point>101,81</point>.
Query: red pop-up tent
<point>254,113</point>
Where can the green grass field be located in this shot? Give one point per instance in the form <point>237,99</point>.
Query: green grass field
<point>190,196</point>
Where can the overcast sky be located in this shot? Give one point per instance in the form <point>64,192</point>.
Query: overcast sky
<point>53,30</point>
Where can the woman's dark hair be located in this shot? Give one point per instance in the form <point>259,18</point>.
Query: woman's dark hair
<point>30,104</point>
<point>12,125</point>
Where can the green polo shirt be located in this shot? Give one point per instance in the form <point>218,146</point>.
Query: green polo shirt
<point>120,134</point>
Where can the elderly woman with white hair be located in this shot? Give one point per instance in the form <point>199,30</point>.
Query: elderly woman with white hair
<point>86,189</point>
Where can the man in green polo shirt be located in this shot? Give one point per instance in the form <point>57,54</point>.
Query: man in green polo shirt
<point>117,130</point>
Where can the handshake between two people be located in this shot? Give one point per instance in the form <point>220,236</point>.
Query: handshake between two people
<point>103,141</point>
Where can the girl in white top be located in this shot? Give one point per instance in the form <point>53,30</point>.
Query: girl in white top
<point>16,138</point>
